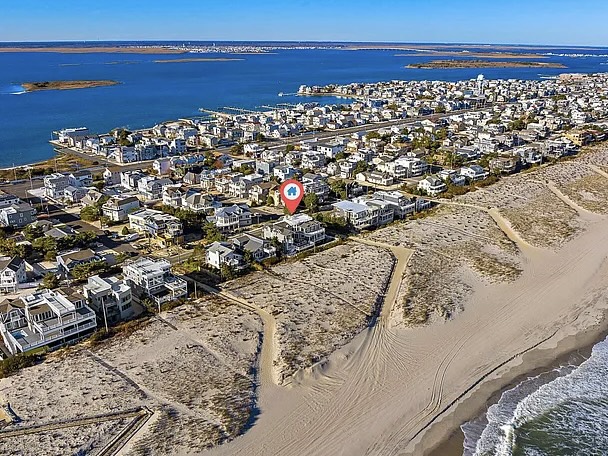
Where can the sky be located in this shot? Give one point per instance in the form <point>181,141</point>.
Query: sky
<point>422,21</point>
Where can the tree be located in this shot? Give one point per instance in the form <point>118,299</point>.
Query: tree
<point>338,187</point>
<point>269,201</point>
<point>86,270</point>
<point>50,281</point>
<point>372,135</point>
<point>289,147</point>
<point>90,213</point>
<point>278,246</point>
<point>248,257</point>
<point>32,232</point>
<point>47,246</point>
<point>211,232</point>
<point>340,156</point>
<point>227,272</point>
<point>125,231</point>
<point>246,170</point>
<point>360,167</point>
<point>311,201</point>
<point>237,149</point>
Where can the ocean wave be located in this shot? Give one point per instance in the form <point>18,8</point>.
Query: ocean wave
<point>556,402</point>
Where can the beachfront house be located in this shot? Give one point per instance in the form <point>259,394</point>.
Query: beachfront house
<point>152,278</point>
<point>45,318</point>
<point>295,233</point>
<point>110,298</point>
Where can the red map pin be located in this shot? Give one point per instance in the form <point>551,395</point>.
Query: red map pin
<point>292,193</point>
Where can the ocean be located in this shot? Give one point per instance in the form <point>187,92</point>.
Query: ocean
<point>151,92</point>
<point>563,412</point>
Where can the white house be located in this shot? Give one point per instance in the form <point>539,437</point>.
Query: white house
<point>221,254</point>
<point>152,278</point>
<point>45,318</point>
<point>110,298</point>
<point>12,273</point>
<point>432,185</point>
<point>118,208</point>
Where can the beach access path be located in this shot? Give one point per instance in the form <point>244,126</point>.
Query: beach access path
<point>382,391</point>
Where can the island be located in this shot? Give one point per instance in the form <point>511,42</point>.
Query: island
<point>458,64</point>
<point>65,85</point>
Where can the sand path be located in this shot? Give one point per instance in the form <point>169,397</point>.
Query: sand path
<point>378,394</point>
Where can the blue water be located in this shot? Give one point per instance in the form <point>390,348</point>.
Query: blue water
<point>559,413</point>
<point>153,92</point>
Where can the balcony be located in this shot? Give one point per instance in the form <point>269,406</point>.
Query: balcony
<point>78,315</point>
<point>25,339</point>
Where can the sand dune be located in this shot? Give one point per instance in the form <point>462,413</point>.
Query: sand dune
<point>380,393</point>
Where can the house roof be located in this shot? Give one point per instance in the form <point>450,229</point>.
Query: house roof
<point>13,263</point>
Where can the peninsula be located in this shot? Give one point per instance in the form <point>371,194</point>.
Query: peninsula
<point>458,64</point>
<point>65,85</point>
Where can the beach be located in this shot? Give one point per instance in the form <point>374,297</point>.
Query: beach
<point>398,390</point>
<point>570,351</point>
<point>383,345</point>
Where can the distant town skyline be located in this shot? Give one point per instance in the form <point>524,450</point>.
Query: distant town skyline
<point>557,22</point>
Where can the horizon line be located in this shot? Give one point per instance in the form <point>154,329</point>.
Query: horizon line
<point>149,40</point>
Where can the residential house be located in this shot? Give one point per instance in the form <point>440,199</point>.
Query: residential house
<point>151,188</point>
<point>221,254</point>
<point>401,204</point>
<point>156,224</point>
<point>361,213</point>
<point>130,179</point>
<point>17,215</point>
<point>82,178</point>
<point>259,193</point>
<point>474,172</point>
<point>295,233</point>
<point>375,178</point>
<point>68,261</point>
<point>54,185</point>
<point>73,194</point>
<point>110,298</point>
<point>196,201</point>
<point>453,177</point>
<point>117,209</point>
<point>432,185</point>
<point>45,318</point>
<point>506,165</point>
<point>152,278</point>
<point>317,184</point>
<point>111,176</point>
<point>12,273</point>
<point>231,218</point>
<point>259,248</point>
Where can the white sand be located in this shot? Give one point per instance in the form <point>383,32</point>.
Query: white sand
<point>377,395</point>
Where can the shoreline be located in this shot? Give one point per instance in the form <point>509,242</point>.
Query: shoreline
<point>94,49</point>
<point>445,438</point>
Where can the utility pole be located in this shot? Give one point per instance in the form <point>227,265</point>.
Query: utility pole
<point>105,316</point>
